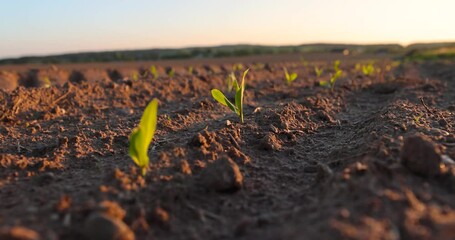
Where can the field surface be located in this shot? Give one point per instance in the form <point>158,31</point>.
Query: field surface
<point>372,159</point>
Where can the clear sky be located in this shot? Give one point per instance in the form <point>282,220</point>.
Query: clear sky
<point>36,27</point>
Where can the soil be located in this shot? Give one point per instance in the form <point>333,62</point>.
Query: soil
<point>371,159</point>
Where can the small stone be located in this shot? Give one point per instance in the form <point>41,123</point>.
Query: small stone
<point>18,233</point>
<point>421,156</point>
<point>103,227</point>
<point>223,176</point>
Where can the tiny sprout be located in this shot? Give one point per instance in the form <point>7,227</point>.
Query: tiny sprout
<point>47,82</point>
<point>154,72</point>
<point>417,119</point>
<point>318,71</point>
<point>368,70</point>
<point>232,83</point>
<point>258,66</point>
<point>135,76</point>
<point>336,66</point>
<point>238,106</point>
<point>170,72</point>
<point>190,70</point>
<point>332,81</point>
<point>237,67</point>
<point>141,136</point>
<point>358,67</point>
<point>289,77</point>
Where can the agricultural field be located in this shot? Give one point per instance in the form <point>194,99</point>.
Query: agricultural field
<point>328,146</point>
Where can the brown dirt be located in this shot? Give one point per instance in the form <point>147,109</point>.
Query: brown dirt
<point>308,163</point>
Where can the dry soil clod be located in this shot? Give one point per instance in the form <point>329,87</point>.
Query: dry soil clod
<point>18,233</point>
<point>103,227</point>
<point>223,176</point>
<point>421,156</point>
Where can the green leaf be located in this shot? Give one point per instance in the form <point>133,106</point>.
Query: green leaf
<point>336,65</point>
<point>153,71</point>
<point>293,77</point>
<point>149,120</point>
<point>286,74</point>
<point>239,98</point>
<point>289,77</point>
<point>318,71</point>
<point>141,136</point>
<point>219,97</point>
<point>323,83</point>
<point>132,148</point>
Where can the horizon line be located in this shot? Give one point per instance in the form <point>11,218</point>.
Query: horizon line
<point>220,45</point>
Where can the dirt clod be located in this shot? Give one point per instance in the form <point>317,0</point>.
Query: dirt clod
<point>270,142</point>
<point>103,227</point>
<point>223,176</point>
<point>18,233</point>
<point>421,156</point>
<point>112,209</point>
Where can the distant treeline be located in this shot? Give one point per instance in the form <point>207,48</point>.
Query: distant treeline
<point>217,52</point>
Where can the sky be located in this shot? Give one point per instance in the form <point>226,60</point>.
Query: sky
<point>31,27</point>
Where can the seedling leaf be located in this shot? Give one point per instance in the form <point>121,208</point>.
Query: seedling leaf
<point>289,77</point>
<point>219,97</point>
<point>141,136</point>
<point>323,83</point>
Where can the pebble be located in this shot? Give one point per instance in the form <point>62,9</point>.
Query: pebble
<point>421,156</point>
<point>223,175</point>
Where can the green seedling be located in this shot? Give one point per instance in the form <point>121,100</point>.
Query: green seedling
<point>358,67</point>
<point>190,70</point>
<point>258,66</point>
<point>333,79</point>
<point>232,83</point>
<point>368,70</point>
<point>289,77</point>
<point>238,67</point>
<point>238,106</point>
<point>417,119</point>
<point>154,72</point>
<point>135,76</point>
<point>336,66</point>
<point>170,72</point>
<point>47,82</point>
<point>318,71</point>
<point>141,136</point>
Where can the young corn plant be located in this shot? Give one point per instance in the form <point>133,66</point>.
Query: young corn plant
<point>190,70</point>
<point>141,136</point>
<point>135,76</point>
<point>289,77</point>
<point>331,82</point>
<point>368,70</point>
<point>318,71</point>
<point>237,106</point>
<point>170,72</point>
<point>154,72</point>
